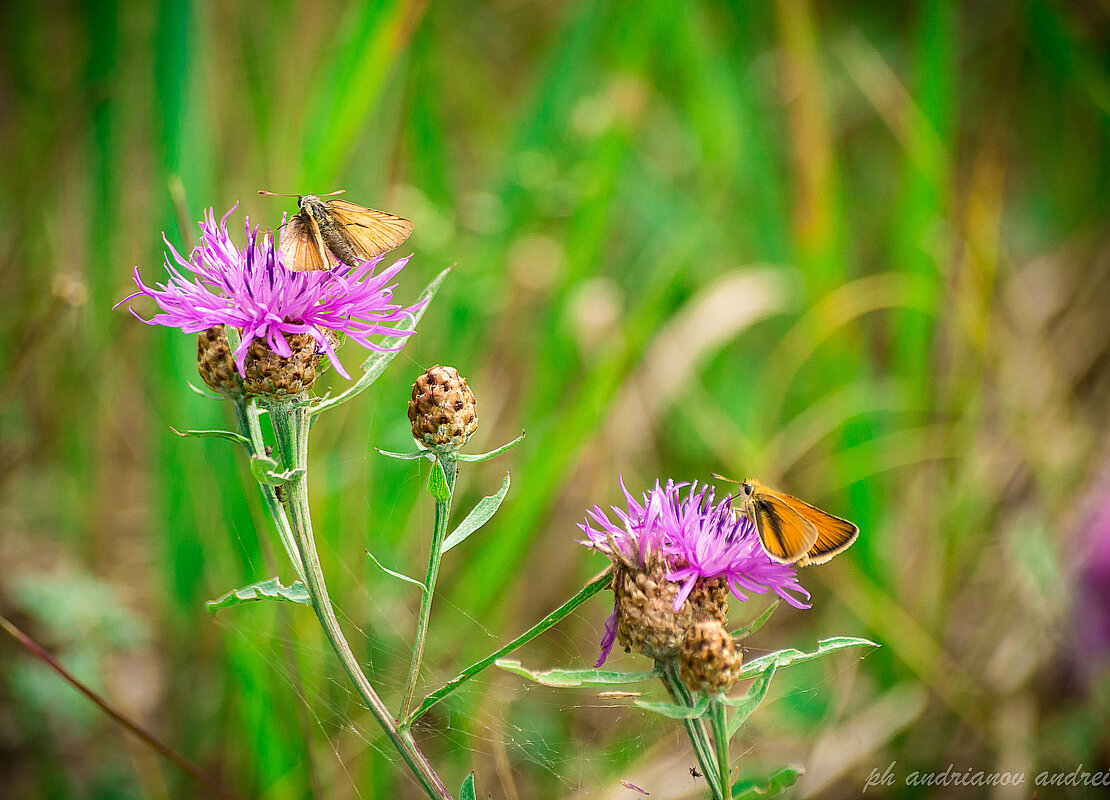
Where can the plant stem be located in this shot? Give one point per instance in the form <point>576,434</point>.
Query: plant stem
<point>720,740</point>
<point>246,414</point>
<point>695,729</point>
<point>150,739</point>
<point>439,533</point>
<point>291,424</point>
<point>599,583</point>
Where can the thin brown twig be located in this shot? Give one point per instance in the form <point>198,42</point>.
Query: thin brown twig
<point>150,739</point>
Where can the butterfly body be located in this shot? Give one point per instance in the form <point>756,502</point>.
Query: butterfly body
<point>324,233</point>
<point>791,530</point>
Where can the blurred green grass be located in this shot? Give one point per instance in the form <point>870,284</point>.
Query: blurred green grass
<point>858,250</point>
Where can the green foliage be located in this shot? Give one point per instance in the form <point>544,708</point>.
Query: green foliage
<point>271,589</point>
<point>478,516</point>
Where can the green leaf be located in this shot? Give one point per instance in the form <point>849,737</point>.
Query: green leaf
<point>756,623</point>
<point>265,470</point>
<point>596,585</point>
<point>437,482</point>
<point>375,365</point>
<point>467,791</point>
<point>493,453</point>
<point>749,702</point>
<point>781,658</point>
<point>407,456</point>
<point>202,393</point>
<point>675,711</point>
<point>477,517</point>
<point>775,784</point>
<point>263,590</point>
<point>566,678</point>
<point>228,435</point>
<point>398,575</point>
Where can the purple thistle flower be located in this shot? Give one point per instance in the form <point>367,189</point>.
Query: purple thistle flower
<point>696,540</point>
<point>712,541</point>
<point>250,289</point>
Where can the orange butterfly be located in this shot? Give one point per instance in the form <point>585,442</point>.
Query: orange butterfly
<point>322,233</point>
<point>793,531</point>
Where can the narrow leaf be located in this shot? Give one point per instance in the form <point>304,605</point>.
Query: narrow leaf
<point>493,453</point>
<point>406,456</point>
<point>781,658</point>
<point>437,483</point>
<point>596,585</point>
<point>749,702</point>
<point>228,435</point>
<point>264,590</point>
<point>775,784</point>
<point>756,623</point>
<point>398,575</point>
<point>565,678</point>
<point>265,470</point>
<point>467,791</point>
<point>674,711</point>
<point>202,392</point>
<point>478,516</point>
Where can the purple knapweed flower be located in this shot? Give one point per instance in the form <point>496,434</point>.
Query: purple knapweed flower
<point>710,541</point>
<point>695,540</point>
<point>250,289</point>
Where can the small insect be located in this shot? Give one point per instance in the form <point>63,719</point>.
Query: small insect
<point>634,787</point>
<point>694,772</point>
<point>793,531</point>
<point>279,493</point>
<point>323,233</point>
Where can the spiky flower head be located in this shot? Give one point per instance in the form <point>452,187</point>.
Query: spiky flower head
<point>442,410</point>
<point>250,289</point>
<point>709,660</point>
<point>681,549</point>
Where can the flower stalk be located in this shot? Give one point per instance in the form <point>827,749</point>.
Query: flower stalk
<point>695,730</point>
<point>442,484</point>
<point>291,422</point>
<point>720,742</point>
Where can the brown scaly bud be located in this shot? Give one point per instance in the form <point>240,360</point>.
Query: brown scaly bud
<point>216,364</point>
<point>646,620</point>
<point>709,660</point>
<point>274,376</point>
<point>442,411</point>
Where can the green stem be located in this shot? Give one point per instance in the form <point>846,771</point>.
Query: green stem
<point>695,729</point>
<point>291,423</point>
<point>562,612</point>
<point>720,740</point>
<point>246,414</point>
<point>439,533</point>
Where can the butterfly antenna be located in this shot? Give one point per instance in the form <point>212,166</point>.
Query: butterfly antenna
<point>718,476</point>
<point>329,194</point>
<point>275,194</point>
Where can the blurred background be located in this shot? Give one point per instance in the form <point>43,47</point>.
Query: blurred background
<point>856,249</point>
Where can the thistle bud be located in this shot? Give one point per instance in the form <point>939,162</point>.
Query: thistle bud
<point>442,411</point>
<point>275,376</point>
<point>216,364</point>
<point>709,660</point>
<point>646,618</point>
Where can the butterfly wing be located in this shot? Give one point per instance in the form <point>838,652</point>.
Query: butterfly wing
<point>368,232</point>
<point>834,535</point>
<point>301,247</point>
<point>787,536</point>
